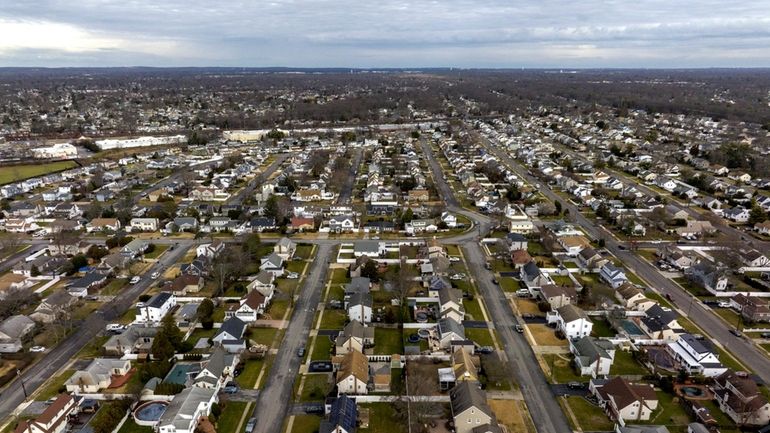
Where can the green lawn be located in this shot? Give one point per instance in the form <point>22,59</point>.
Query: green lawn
<point>382,419</point>
<point>479,336</point>
<point>602,328</point>
<point>473,309</point>
<point>588,416</point>
<point>508,284</point>
<point>10,174</point>
<point>304,251</point>
<point>159,249</point>
<point>295,266</point>
<point>52,388</point>
<point>250,373</point>
<point>278,308</point>
<point>94,347</point>
<point>730,316</point>
<point>131,427</point>
<point>262,335</point>
<point>333,319</point>
<point>316,387</point>
<point>452,250</point>
<point>114,287</point>
<point>231,415</point>
<point>669,412</point>
<point>562,369</point>
<point>339,276</point>
<point>201,333</point>
<point>306,424</point>
<point>625,363</point>
<point>322,350</point>
<point>287,286</point>
<point>387,341</point>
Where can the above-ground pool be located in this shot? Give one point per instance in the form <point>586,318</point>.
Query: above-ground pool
<point>421,317</point>
<point>148,414</point>
<point>413,338</point>
<point>423,333</point>
<point>695,392</point>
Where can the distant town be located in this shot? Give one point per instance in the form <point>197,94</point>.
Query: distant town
<point>395,251</point>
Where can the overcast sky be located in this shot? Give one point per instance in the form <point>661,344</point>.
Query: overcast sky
<point>367,33</point>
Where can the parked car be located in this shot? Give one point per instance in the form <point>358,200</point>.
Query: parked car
<point>37,349</point>
<point>135,279</point>
<point>576,385</point>
<point>519,329</point>
<point>250,425</point>
<point>736,332</point>
<point>301,351</point>
<point>230,388</point>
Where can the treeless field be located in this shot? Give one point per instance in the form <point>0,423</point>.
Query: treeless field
<point>509,413</point>
<point>545,336</point>
<point>527,306</point>
<point>16,173</point>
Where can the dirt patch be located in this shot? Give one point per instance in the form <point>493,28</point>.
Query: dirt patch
<point>509,413</point>
<point>527,306</point>
<point>545,336</point>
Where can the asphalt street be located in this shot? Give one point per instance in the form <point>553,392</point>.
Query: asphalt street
<point>743,349</point>
<point>275,399</point>
<point>59,356</point>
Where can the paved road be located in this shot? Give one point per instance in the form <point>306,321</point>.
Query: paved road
<point>275,399</point>
<point>35,246</point>
<point>258,180</point>
<point>742,349</point>
<point>543,408</point>
<point>86,331</point>
<point>347,189</point>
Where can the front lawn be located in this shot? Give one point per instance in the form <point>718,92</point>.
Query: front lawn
<point>509,284</point>
<point>473,309</point>
<point>159,249</point>
<point>278,308</point>
<point>262,335</point>
<point>231,416</point>
<point>305,424</point>
<point>333,319</point>
<point>562,369</point>
<point>304,251</point>
<point>250,374</point>
<point>322,349</point>
<point>52,388</point>
<point>114,287</point>
<point>387,341</point>
<point>481,337</point>
<point>316,387</point>
<point>588,416</point>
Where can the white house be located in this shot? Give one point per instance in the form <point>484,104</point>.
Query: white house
<point>156,308</point>
<point>593,357</point>
<point>144,224</point>
<point>97,376</point>
<point>359,307</point>
<point>449,219</point>
<point>613,275</point>
<point>186,410</point>
<point>273,264</point>
<point>572,322</point>
<point>695,357</point>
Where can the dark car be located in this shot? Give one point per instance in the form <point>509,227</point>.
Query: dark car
<point>230,388</point>
<point>736,332</point>
<point>576,385</point>
<point>519,329</point>
<point>301,351</point>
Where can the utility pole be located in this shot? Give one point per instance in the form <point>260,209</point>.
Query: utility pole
<point>23,387</point>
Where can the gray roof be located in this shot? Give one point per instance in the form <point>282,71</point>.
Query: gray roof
<point>590,348</point>
<point>530,270</point>
<point>158,300</point>
<point>358,285</point>
<point>233,326</point>
<point>468,394</point>
<point>447,324</point>
<point>569,313</point>
<point>16,326</point>
<point>367,246</point>
<point>643,429</point>
<point>360,299</point>
<point>183,406</point>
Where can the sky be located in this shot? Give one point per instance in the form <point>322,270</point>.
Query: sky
<point>384,33</point>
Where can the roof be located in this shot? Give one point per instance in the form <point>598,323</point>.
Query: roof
<point>367,246</point>
<point>625,393</point>
<point>183,406</point>
<point>344,414</point>
<point>354,363</point>
<point>49,414</point>
<point>158,300</point>
<point>466,395</point>
<point>520,257</point>
<point>233,326</point>
<point>87,280</point>
<point>356,329</point>
<point>16,326</point>
<point>358,285</point>
<point>592,348</point>
<point>447,324</point>
<point>531,270</point>
<point>254,299</point>
<point>551,291</point>
<point>570,313</point>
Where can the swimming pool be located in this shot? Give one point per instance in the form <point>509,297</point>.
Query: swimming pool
<point>631,328</point>
<point>148,414</point>
<point>180,372</point>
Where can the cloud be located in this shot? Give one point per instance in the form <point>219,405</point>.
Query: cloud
<point>361,33</point>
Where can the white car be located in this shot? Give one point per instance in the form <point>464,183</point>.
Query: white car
<point>155,275</point>
<point>37,349</point>
<point>292,275</point>
<point>135,280</point>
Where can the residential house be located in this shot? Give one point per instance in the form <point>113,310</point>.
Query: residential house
<point>470,411</point>
<point>263,283</point>
<point>302,224</point>
<point>185,284</point>
<point>210,250</point>
<point>285,248</point>
<point>134,340</point>
<point>56,305</point>
<point>54,418</point>
<point>533,278</point>
<point>156,308</point>
<point>185,224</point>
<point>144,224</point>
<point>353,374</point>
<point>251,306</point>
<point>97,376</point>
<point>754,259</point>
<point>632,297</point>
<point>464,365</point>
<point>738,214</point>
<point>752,308</point>
<point>449,219</point>
<point>186,409</point>
<point>372,249</point>
<point>355,336</point>
<point>705,274</point>
<point>593,357</point>
<point>273,263</point>
<point>572,321</point>
<point>516,241</point>
<point>519,258</point>
<point>449,331</point>
<point>216,369</point>
<point>558,296</point>
<point>103,225</point>
<point>261,224</point>
<point>343,415</point>
<point>739,398</point>
<point>696,356</point>
<point>90,282</point>
<point>625,401</point>
<point>574,244</point>
<point>589,258</point>
<point>13,332</point>
<point>450,302</point>
<point>359,307</point>
<point>135,248</point>
<point>230,335</point>
<point>341,223</point>
<point>661,323</point>
<point>613,275</point>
